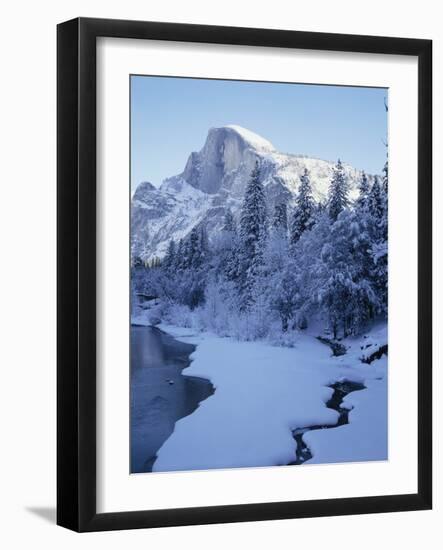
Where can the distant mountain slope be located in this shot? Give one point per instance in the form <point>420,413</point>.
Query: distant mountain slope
<point>213,180</point>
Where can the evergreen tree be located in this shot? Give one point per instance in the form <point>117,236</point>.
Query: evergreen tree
<point>385,177</point>
<point>197,247</point>
<point>274,290</point>
<point>169,259</point>
<point>194,243</point>
<point>338,192</point>
<point>229,222</point>
<point>228,250</point>
<point>376,199</point>
<point>378,207</point>
<point>280,219</point>
<point>345,290</point>
<point>303,216</point>
<point>306,256</point>
<point>276,246</point>
<point>253,213</point>
<point>363,196</point>
<point>253,233</point>
<point>384,192</point>
<point>285,296</point>
<point>337,297</point>
<point>186,260</point>
<point>203,246</point>
<point>178,260</point>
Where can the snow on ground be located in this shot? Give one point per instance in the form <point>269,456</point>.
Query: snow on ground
<point>366,435</point>
<point>263,392</point>
<point>145,317</point>
<point>364,438</point>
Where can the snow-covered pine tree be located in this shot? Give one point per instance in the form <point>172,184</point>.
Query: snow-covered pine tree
<point>343,275</point>
<point>194,245</point>
<point>136,246</point>
<point>280,219</point>
<point>228,249</point>
<point>385,177</point>
<point>338,192</point>
<point>144,253</point>
<point>186,279</point>
<point>337,298</point>
<point>303,215</point>
<point>253,212</point>
<point>379,249</point>
<point>197,247</point>
<point>376,205</point>
<point>270,293</point>
<point>229,222</point>
<point>336,286</point>
<point>178,260</point>
<point>169,259</point>
<point>361,203</point>
<point>385,184</point>
<point>276,247</point>
<point>203,245</point>
<point>285,297</point>
<point>253,233</point>
<point>310,274</point>
<point>187,250</point>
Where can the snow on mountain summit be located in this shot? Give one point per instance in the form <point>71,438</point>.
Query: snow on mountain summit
<point>215,179</point>
<point>257,142</point>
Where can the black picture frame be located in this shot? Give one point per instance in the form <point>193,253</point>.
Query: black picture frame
<point>76,266</point>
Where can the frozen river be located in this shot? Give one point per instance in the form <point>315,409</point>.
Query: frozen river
<point>160,393</point>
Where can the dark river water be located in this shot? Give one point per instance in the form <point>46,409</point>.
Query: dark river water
<point>160,393</point>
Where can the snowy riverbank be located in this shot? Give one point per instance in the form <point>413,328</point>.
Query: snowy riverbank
<point>263,392</point>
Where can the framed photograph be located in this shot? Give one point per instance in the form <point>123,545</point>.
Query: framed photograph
<point>244,274</point>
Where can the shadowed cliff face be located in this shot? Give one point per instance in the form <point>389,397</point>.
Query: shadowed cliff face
<point>227,158</point>
<point>214,179</point>
<point>223,152</point>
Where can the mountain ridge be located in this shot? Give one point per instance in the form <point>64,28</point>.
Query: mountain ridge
<point>215,179</point>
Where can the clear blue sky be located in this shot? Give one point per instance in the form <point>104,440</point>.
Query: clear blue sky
<point>170,118</point>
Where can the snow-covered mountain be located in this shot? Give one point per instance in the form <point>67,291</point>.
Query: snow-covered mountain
<point>215,179</point>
